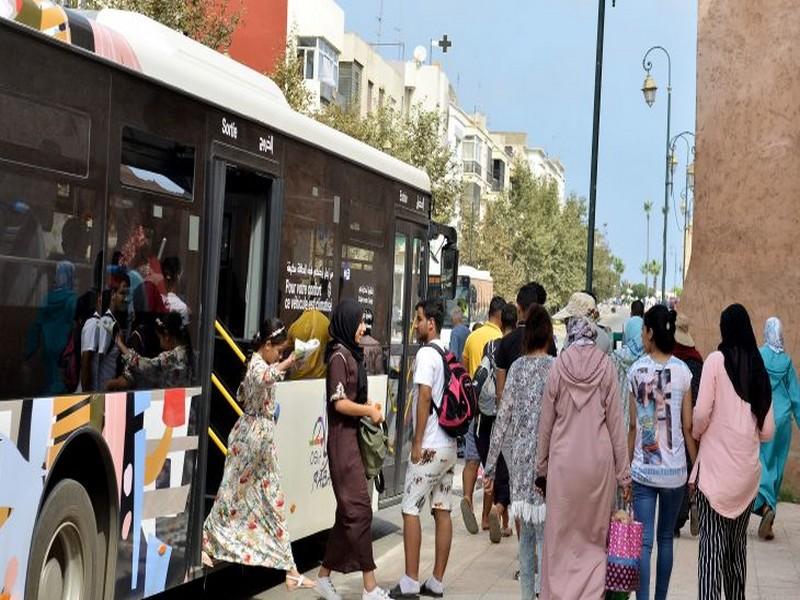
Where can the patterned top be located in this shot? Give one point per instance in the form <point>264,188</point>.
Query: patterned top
<point>248,523</point>
<point>518,421</point>
<point>659,456</point>
<point>170,369</point>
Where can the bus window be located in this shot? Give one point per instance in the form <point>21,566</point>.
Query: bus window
<point>156,164</point>
<point>309,237</point>
<point>43,135</point>
<point>151,296</point>
<point>366,259</point>
<point>49,234</point>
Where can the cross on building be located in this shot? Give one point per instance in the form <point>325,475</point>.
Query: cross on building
<point>444,43</point>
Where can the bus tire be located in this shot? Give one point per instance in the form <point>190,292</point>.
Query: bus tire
<point>63,563</point>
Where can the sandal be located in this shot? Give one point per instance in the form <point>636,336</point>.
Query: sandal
<point>494,526</point>
<point>301,582</point>
<point>507,532</point>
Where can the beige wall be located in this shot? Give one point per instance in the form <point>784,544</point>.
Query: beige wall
<point>747,206</point>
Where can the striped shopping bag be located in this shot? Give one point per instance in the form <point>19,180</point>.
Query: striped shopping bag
<point>624,551</point>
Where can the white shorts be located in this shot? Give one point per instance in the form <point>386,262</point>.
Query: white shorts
<point>431,479</point>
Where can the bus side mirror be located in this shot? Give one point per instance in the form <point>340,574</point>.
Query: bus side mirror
<point>449,272</point>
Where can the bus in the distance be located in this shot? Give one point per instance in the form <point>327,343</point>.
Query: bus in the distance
<point>473,294</point>
<point>144,176</point>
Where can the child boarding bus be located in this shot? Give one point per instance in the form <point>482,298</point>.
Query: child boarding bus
<point>143,175</point>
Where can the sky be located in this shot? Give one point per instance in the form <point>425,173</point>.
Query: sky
<point>529,65</point>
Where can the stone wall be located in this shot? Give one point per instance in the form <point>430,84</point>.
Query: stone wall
<point>747,203</point>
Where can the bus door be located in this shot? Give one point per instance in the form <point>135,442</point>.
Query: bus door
<point>247,197</point>
<point>408,287</point>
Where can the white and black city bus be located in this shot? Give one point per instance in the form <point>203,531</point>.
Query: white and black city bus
<point>141,174</point>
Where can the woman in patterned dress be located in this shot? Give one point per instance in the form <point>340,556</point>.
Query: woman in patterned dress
<point>247,523</point>
<point>517,424</point>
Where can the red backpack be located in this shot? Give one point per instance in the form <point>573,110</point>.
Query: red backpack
<point>459,399</point>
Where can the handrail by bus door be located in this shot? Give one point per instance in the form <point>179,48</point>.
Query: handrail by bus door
<point>217,382</point>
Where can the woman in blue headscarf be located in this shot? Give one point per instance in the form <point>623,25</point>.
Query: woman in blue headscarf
<point>786,403</point>
<point>631,350</point>
<point>53,326</point>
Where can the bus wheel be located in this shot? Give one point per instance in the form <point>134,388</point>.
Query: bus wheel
<point>62,562</point>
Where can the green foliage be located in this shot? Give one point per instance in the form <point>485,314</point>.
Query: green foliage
<point>639,291</point>
<point>416,139</point>
<point>288,76</point>
<point>526,235</point>
<point>210,22</point>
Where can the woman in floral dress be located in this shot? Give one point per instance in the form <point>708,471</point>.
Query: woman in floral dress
<point>247,523</point>
<point>517,424</point>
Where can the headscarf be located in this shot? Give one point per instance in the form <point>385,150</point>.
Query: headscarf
<point>633,336</point>
<point>743,361</point>
<point>345,320</point>
<point>773,334</point>
<point>65,275</point>
<point>581,331</point>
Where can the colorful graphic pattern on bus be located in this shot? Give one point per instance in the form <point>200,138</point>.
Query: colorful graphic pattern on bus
<point>71,27</point>
<point>152,440</point>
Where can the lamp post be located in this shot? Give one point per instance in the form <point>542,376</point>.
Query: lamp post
<point>689,186</point>
<point>649,90</point>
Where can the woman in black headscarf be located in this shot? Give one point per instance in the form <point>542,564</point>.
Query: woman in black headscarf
<point>732,416</point>
<point>350,543</point>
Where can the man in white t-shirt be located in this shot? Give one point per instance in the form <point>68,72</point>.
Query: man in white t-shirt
<point>99,352</point>
<point>429,476</point>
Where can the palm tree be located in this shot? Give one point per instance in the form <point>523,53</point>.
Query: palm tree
<point>645,270</point>
<point>648,207</point>
<point>655,271</point>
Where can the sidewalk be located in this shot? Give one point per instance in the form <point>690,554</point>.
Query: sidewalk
<point>479,569</point>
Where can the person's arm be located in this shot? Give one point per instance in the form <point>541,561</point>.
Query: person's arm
<point>768,430</point>
<point>616,430</point>
<point>424,400</point>
<point>686,421</point>
<point>632,425</point>
<point>500,384</point>
<point>345,406</point>
<point>547,419</point>
<point>499,430</point>
<point>705,397</point>
<point>794,393</point>
<point>86,370</point>
<point>337,375</point>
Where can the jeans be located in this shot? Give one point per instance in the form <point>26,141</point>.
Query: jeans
<point>644,510</point>
<point>531,539</point>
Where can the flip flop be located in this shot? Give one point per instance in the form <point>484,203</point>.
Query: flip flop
<point>495,532</point>
<point>301,583</point>
<point>507,532</point>
<point>470,522</point>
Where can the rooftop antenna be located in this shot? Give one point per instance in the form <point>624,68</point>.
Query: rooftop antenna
<point>380,21</point>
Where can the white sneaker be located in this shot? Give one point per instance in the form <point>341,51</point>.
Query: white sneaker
<point>378,593</point>
<point>325,589</point>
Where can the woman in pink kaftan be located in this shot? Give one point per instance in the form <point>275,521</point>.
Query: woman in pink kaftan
<point>581,459</point>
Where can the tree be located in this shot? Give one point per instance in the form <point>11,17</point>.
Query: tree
<point>288,76</point>
<point>639,290</point>
<point>655,271</point>
<point>416,138</point>
<point>648,208</point>
<point>210,22</point>
<point>527,235</point>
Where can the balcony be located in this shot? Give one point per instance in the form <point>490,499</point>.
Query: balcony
<point>472,166</point>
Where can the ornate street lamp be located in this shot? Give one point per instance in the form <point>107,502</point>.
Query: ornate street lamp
<point>689,185</point>
<point>649,90</point>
